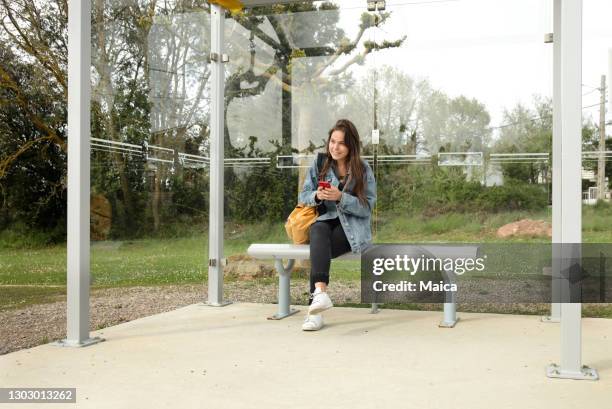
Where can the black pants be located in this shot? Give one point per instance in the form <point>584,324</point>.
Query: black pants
<point>327,241</point>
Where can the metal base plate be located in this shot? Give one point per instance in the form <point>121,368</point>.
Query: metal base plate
<point>223,304</point>
<point>451,324</point>
<point>67,343</point>
<point>550,319</point>
<point>279,316</point>
<point>586,373</point>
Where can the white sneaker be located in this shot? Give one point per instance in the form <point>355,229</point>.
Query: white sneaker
<point>320,303</point>
<point>312,323</point>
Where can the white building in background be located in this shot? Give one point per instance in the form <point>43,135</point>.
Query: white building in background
<point>589,196</point>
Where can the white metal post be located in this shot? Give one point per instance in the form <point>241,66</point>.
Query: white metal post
<point>450,315</point>
<point>555,307</point>
<point>571,199</point>
<point>215,234</point>
<point>79,95</point>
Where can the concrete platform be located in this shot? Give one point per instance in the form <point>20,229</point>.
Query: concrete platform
<point>232,357</point>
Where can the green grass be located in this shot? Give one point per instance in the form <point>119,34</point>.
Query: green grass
<point>597,223</point>
<point>452,227</point>
<point>22,296</point>
<point>132,262</point>
<point>148,262</point>
<point>183,260</point>
<point>44,266</point>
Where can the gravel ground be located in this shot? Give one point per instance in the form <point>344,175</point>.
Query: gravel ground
<point>42,323</point>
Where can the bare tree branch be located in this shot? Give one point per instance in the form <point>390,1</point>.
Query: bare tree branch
<point>38,49</point>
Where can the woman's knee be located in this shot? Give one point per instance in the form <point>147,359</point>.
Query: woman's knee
<point>318,230</point>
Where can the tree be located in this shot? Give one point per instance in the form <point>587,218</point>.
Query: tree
<point>149,79</point>
<point>32,36</point>
<point>527,130</point>
<point>454,124</point>
<point>309,61</point>
<point>35,33</point>
<point>32,117</point>
<point>311,56</point>
<point>151,65</point>
<point>590,143</point>
<point>397,99</point>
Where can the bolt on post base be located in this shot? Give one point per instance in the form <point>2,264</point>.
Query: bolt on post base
<point>281,315</point>
<point>448,324</point>
<point>68,343</point>
<point>585,373</point>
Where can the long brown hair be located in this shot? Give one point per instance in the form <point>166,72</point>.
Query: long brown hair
<point>354,166</point>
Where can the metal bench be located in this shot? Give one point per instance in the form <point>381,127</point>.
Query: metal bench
<point>292,252</point>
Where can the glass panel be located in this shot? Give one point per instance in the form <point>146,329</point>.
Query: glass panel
<point>597,146</point>
<point>288,82</point>
<point>149,175</point>
<point>469,122</point>
<point>293,73</point>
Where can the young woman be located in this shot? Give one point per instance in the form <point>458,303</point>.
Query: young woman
<point>344,223</point>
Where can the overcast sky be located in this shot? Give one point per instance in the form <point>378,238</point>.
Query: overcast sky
<point>492,50</point>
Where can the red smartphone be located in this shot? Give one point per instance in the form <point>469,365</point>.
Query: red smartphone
<point>324,184</point>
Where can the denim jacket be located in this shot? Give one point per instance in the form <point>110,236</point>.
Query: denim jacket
<point>354,216</point>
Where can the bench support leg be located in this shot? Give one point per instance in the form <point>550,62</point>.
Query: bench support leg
<point>450,306</point>
<point>284,290</point>
<point>450,315</point>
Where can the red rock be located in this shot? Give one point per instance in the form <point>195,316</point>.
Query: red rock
<point>525,228</point>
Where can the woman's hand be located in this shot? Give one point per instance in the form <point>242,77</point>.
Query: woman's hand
<point>329,194</point>
<point>320,194</point>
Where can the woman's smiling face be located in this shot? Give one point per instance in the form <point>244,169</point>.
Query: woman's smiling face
<point>338,150</point>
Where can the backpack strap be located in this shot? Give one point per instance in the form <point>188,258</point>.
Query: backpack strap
<point>320,161</point>
<point>321,157</point>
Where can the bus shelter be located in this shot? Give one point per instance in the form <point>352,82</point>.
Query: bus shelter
<point>567,159</point>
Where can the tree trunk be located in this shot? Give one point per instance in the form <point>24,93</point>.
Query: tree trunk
<point>289,197</point>
<point>304,135</point>
<point>104,69</point>
<point>304,127</point>
<point>155,200</point>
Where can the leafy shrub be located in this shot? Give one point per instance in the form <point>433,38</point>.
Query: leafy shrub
<point>21,236</point>
<point>513,196</point>
<point>434,191</point>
